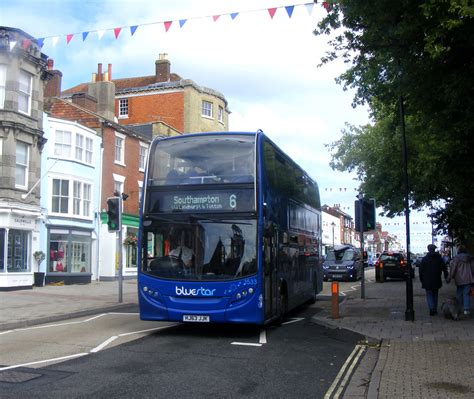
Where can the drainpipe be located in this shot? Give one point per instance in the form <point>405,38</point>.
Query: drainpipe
<point>99,223</point>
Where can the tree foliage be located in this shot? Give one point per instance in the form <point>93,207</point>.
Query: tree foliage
<point>421,51</point>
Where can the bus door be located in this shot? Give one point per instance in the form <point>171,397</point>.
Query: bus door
<point>270,272</point>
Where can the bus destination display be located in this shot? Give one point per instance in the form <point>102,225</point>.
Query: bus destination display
<point>203,201</point>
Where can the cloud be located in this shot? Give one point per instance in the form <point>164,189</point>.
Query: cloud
<point>266,68</point>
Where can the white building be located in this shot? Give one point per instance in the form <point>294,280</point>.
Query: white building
<point>331,230</point>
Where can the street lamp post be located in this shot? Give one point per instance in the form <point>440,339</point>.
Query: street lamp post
<point>409,312</point>
<point>360,197</point>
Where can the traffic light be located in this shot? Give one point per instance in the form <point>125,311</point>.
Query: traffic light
<point>368,214</point>
<point>114,214</point>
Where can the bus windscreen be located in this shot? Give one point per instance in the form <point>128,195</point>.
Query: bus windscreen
<point>201,249</point>
<point>206,159</point>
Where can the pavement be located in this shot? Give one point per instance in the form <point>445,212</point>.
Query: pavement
<point>430,357</point>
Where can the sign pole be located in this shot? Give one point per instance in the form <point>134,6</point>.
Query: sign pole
<point>119,255</point>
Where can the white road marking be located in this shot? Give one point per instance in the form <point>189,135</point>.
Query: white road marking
<point>292,320</point>
<point>94,350</point>
<point>43,361</point>
<point>342,376</point>
<point>124,313</point>
<point>69,323</point>
<point>148,330</point>
<point>96,317</point>
<point>103,344</point>
<point>263,336</point>
<point>245,344</point>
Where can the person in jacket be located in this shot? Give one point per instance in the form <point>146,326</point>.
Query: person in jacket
<point>462,272</point>
<point>431,268</point>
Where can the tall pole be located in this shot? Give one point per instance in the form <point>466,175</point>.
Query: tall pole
<point>119,255</point>
<point>361,225</point>
<point>409,312</point>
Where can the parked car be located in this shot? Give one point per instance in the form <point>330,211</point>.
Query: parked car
<point>344,262</point>
<point>392,264</point>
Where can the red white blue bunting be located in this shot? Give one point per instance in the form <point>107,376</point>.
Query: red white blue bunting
<point>181,22</point>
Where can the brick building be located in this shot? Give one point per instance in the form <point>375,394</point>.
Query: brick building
<point>163,99</point>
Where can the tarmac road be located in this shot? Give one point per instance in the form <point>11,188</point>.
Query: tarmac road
<point>299,359</point>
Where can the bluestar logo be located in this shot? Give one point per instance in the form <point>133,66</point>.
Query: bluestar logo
<point>194,291</point>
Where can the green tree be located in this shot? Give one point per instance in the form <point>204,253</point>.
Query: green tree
<point>421,51</point>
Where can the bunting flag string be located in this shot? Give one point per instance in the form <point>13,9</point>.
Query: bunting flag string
<point>167,24</point>
<point>341,189</point>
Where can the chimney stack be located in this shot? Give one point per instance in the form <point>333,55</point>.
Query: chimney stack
<point>53,86</point>
<point>85,100</point>
<point>102,89</point>
<point>162,67</point>
<point>99,72</point>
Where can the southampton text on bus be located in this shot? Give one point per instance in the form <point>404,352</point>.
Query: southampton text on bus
<point>230,231</point>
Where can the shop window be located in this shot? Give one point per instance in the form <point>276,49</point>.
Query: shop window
<point>57,253</point>
<point>17,251</point>
<point>69,252</point>
<point>130,244</point>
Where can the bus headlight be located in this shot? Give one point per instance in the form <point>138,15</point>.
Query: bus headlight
<point>244,294</point>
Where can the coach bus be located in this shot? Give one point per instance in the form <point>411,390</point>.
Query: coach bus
<point>230,231</point>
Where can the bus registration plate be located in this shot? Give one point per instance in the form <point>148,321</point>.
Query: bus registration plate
<point>196,318</point>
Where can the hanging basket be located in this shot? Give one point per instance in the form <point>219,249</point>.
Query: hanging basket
<point>130,240</point>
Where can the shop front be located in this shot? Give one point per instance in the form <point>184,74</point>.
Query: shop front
<point>19,238</point>
<point>69,256</point>
<point>109,258</point>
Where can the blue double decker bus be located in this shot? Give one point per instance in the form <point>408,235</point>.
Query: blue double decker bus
<point>230,231</point>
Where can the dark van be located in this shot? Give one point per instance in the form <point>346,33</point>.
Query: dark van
<point>344,262</point>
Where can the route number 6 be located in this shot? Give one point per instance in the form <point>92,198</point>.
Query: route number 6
<point>233,200</point>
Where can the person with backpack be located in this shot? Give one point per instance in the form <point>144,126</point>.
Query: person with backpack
<point>462,272</point>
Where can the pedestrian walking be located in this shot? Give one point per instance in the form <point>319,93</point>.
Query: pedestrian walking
<point>431,268</point>
<point>462,272</point>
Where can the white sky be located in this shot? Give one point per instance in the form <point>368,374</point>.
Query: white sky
<point>266,68</point>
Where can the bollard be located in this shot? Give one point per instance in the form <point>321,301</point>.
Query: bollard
<point>335,299</point>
